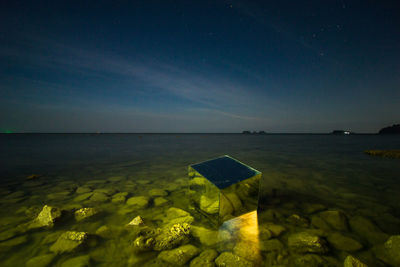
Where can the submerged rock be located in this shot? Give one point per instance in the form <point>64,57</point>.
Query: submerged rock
<point>350,261</point>
<point>156,192</point>
<point>162,239</point>
<point>368,230</point>
<point>304,242</point>
<point>176,216</point>
<point>139,202</point>
<point>230,259</point>
<point>68,242</point>
<point>80,261</point>
<point>83,197</point>
<point>336,219</point>
<point>14,242</point>
<point>179,256</point>
<point>275,229</point>
<point>344,243</point>
<point>248,250</point>
<point>99,197</point>
<point>271,245</point>
<point>296,219</point>
<point>209,205</point>
<point>46,218</point>
<point>209,237</point>
<point>85,213</point>
<point>205,259</point>
<point>137,221</point>
<point>160,202</point>
<point>40,261</point>
<point>119,198</point>
<point>83,189</point>
<point>389,252</point>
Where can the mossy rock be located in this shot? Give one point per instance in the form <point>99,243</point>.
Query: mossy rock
<point>40,261</point>
<point>179,256</point>
<point>46,218</point>
<point>230,259</point>
<point>68,242</point>
<point>304,242</point>
<point>205,259</point>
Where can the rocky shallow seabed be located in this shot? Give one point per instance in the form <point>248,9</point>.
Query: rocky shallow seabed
<point>128,221</point>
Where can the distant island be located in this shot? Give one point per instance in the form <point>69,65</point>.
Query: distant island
<point>394,129</point>
<point>254,132</point>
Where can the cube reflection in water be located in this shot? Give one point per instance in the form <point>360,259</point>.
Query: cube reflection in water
<point>223,188</point>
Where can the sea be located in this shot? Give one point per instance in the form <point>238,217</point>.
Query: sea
<point>328,199</point>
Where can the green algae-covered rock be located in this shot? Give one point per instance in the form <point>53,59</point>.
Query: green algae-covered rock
<point>156,192</point>
<point>271,245</point>
<point>139,202</point>
<point>342,242</point>
<point>179,256</point>
<point>83,197</point>
<point>336,219</point>
<point>160,202</point>
<point>230,259</point>
<point>40,261</point>
<point>176,216</point>
<point>304,242</point>
<point>99,197</point>
<point>68,242</point>
<point>351,261</point>
<point>8,234</point>
<point>80,261</point>
<point>209,237</point>
<point>83,189</point>
<point>119,198</point>
<point>319,223</point>
<point>205,259</point>
<point>46,218</point>
<point>210,205</point>
<point>247,250</point>
<point>14,242</point>
<point>104,231</point>
<point>368,230</point>
<point>297,220</point>
<point>275,229</point>
<point>85,213</point>
<point>137,221</point>
<point>389,251</point>
<point>59,195</point>
<point>162,239</point>
<point>309,260</point>
<point>174,236</point>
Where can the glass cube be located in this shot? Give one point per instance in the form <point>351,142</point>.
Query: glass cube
<point>223,188</point>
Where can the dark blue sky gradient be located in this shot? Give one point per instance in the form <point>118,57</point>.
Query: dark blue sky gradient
<point>199,66</point>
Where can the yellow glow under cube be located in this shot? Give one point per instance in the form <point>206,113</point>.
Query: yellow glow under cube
<point>223,188</point>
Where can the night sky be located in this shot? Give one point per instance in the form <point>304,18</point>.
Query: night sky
<point>199,66</point>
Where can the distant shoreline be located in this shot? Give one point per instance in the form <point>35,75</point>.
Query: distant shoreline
<point>138,133</point>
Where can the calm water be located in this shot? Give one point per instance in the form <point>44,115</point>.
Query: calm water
<point>298,171</point>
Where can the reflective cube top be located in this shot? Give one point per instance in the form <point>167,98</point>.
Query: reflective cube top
<point>224,171</point>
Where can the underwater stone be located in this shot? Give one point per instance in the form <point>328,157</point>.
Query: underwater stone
<point>271,245</point>
<point>336,219</point>
<point>209,205</point>
<point>160,202</point>
<point>13,242</point>
<point>318,222</point>
<point>46,218</point>
<point>205,259</point>
<point>230,259</point>
<point>275,229</point>
<point>179,256</point>
<point>234,200</point>
<point>309,260</point>
<point>304,242</point>
<point>368,230</point>
<point>99,197</point>
<point>58,195</point>
<point>209,237</point>
<point>173,237</point>
<point>296,219</point>
<point>83,197</point>
<point>310,208</point>
<point>84,213</point>
<point>68,242</point>
<point>157,192</point>
<point>341,242</point>
<point>136,221</point>
<point>389,251</point>
<point>176,216</point>
<point>83,189</point>
<point>351,261</point>
<point>139,202</point>
<point>40,261</point>
<point>80,261</point>
<point>7,234</point>
<point>247,250</point>
<point>107,191</point>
